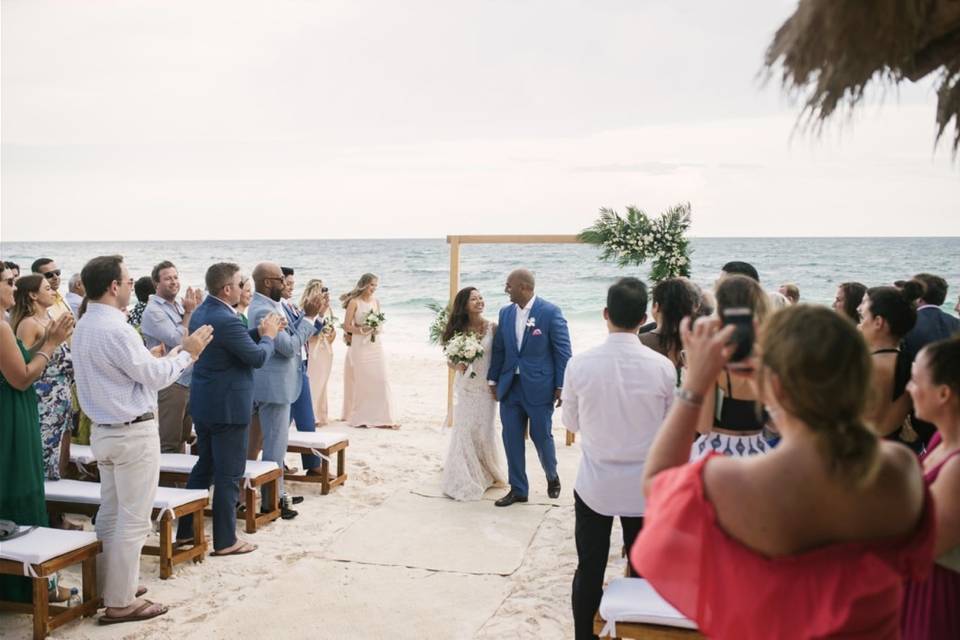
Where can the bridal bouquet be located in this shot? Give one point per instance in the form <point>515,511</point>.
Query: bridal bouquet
<point>464,348</point>
<point>374,320</point>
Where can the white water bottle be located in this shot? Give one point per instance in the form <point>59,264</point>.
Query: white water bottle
<point>74,597</point>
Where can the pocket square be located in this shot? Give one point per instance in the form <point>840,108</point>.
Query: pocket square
<point>537,332</point>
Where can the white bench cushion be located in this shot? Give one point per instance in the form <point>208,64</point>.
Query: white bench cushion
<point>81,454</point>
<point>315,439</point>
<point>184,463</point>
<point>77,492</point>
<point>177,462</point>
<point>44,544</point>
<point>635,600</point>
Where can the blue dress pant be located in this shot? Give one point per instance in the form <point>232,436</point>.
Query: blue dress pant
<point>514,414</point>
<point>222,452</point>
<point>301,413</point>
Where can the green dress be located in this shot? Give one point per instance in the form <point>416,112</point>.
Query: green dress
<point>21,470</point>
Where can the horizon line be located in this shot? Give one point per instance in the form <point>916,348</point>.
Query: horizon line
<point>443,239</point>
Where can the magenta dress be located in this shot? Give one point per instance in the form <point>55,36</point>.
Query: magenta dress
<point>931,607</point>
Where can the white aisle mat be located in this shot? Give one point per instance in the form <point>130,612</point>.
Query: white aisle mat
<point>408,530</point>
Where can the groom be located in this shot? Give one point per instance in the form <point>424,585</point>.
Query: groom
<point>530,353</point>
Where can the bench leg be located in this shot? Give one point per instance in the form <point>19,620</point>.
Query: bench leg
<point>41,608</point>
<point>199,536</point>
<point>166,545</point>
<point>250,503</point>
<point>89,581</point>
<point>341,462</point>
<point>324,476</point>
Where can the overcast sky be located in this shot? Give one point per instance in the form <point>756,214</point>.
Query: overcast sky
<point>324,119</point>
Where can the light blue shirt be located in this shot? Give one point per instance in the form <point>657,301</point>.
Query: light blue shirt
<point>162,323</point>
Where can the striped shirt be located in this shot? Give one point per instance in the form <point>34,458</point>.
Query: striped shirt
<point>117,377</point>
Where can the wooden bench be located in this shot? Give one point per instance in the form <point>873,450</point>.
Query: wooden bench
<point>175,469</point>
<point>323,444</point>
<point>74,496</point>
<point>631,608</point>
<point>39,554</point>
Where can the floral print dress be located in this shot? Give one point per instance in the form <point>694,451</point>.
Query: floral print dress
<point>55,404</point>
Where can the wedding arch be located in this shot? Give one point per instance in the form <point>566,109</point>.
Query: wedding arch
<point>630,239</point>
<point>455,242</point>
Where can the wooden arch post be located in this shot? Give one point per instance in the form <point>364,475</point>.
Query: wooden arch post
<point>455,242</point>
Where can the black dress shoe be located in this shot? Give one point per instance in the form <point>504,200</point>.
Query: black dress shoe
<point>285,511</point>
<point>553,488</point>
<point>509,499</point>
<point>296,499</point>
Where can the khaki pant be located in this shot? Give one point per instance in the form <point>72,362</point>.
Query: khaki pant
<point>128,458</point>
<point>173,404</point>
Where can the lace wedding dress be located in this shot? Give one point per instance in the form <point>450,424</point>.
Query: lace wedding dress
<point>475,460</point>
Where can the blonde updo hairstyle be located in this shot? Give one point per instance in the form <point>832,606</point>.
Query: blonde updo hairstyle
<point>824,369</point>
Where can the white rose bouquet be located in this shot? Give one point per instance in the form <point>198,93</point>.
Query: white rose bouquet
<point>374,320</point>
<point>464,348</point>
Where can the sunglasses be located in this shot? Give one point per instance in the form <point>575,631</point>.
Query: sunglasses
<point>269,278</point>
<point>50,275</point>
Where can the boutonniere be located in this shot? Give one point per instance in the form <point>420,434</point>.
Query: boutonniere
<point>537,332</point>
<point>531,323</point>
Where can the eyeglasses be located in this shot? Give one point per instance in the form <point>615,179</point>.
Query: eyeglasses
<point>268,278</point>
<point>49,275</point>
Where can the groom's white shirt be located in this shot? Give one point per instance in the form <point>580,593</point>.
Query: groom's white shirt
<point>523,314</point>
<point>617,396</point>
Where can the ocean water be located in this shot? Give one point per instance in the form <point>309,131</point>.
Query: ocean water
<point>415,272</point>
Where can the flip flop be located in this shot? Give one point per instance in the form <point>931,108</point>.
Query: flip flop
<point>136,615</point>
<point>140,591</point>
<point>243,549</point>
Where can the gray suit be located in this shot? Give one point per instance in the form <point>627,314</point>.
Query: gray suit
<point>276,385</point>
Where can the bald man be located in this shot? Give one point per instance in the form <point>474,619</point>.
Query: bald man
<point>530,354</point>
<point>277,384</point>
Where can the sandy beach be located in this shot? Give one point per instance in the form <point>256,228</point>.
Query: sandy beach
<point>385,555</point>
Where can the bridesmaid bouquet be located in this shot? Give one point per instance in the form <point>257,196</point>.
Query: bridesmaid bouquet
<point>374,320</point>
<point>464,348</point>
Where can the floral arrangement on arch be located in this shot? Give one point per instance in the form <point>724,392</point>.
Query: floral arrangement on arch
<point>636,239</point>
<point>440,318</point>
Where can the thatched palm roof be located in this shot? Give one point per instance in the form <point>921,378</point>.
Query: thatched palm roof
<point>833,48</point>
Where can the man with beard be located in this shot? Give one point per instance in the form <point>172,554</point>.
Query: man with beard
<point>164,322</point>
<point>277,384</point>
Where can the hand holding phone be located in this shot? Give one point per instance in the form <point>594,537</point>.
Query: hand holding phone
<point>741,318</point>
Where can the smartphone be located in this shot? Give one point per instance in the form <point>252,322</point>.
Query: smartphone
<point>742,319</point>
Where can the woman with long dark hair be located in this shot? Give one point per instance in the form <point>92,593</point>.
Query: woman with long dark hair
<point>848,298</point>
<point>31,321</point>
<point>887,314</point>
<point>475,461</point>
<point>673,300</point>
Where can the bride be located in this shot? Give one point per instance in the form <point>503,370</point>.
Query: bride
<point>474,460</point>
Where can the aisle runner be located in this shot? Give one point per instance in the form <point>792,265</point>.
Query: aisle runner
<point>408,530</point>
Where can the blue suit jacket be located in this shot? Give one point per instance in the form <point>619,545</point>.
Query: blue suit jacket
<point>542,356</point>
<point>279,380</point>
<point>932,324</point>
<point>221,390</point>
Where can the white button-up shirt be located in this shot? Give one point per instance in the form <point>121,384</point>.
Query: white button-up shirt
<point>617,396</point>
<point>117,377</point>
<point>523,314</point>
